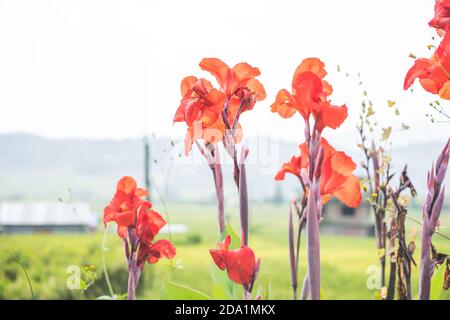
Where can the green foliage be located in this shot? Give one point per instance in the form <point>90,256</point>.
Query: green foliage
<point>47,256</point>
<point>323,296</point>
<point>437,282</point>
<point>235,238</point>
<point>223,286</point>
<point>176,291</point>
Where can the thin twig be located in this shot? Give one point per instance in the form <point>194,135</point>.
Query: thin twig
<point>25,270</point>
<point>409,218</point>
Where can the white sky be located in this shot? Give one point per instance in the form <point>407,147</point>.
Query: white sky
<point>86,68</point>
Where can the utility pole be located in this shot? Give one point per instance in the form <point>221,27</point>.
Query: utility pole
<point>147,166</point>
<point>146,140</point>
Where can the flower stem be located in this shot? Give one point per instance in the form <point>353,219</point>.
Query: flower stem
<point>425,263</point>
<point>133,278</point>
<point>243,197</point>
<point>218,183</point>
<point>313,243</point>
<point>292,256</point>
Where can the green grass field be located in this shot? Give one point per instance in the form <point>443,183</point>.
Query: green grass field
<point>345,260</point>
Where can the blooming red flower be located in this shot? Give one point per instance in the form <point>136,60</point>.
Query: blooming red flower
<point>202,106</point>
<point>309,96</point>
<point>148,225</point>
<point>241,264</point>
<point>239,81</point>
<point>441,19</point>
<point>124,205</point>
<point>295,165</point>
<point>337,177</point>
<point>137,223</point>
<point>152,252</point>
<point>433,73</point>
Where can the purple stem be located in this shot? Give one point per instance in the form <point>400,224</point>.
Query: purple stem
<point>305,289</point>
<point>431,212</point>
<point>313,241</point>
<point>292,257</point>
<point>218,182</point>
<point>134,273</point>
<point>243,197</point>
<point>425,262</point>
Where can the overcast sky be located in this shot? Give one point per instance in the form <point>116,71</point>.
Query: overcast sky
<point>90,68</point>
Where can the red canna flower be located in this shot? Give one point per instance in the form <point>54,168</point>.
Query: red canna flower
<point>323,172</point>
<point>337,177</point>
<point>203,107</point>
<point>152,252</point>
<point>241,264</point>
<point>200,108</point>
<point>433,73</point>
<point>137,223</point>
<point>148,225</point>
<point>309,96</point>
<point>124,205</point>
<point>238,81</point>
<point>295,165</point>
<point>441,19</point>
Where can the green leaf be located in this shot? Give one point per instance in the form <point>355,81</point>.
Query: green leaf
<point>437,281</point>
<point>235,239</point>
<point>175,291</point>
<point>323,296</point>
<point>227,287</point>
<point>219,293</point>
<point>267,291</point>
<point>105,298</point>
<point>220,278</point>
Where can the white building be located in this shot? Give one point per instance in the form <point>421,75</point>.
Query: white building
<point>28,217</point>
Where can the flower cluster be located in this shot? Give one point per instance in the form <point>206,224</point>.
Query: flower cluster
<point>137,222</point>
<point>137,225</point>
<point>209,112</point>
<point>309,97</point>
<point>322,171</point>
<point>434,73</point>
<point>212,115</point>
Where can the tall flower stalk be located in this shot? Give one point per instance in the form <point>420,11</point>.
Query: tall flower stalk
<point>137,225</point>
<point>294,246</point>
<point>322,171</point>
<point>431,211</point>
<point>212,116</point>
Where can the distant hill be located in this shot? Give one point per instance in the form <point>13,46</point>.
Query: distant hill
<point>33,167</point>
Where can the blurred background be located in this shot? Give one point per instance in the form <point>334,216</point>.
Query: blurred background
<point>88,90</point>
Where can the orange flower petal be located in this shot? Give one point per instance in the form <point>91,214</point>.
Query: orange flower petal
<point>444,93</point>
<point>161,249</point>
<point>241,74</point>
<point>308,93</point>
<point>140,192</point>
<point>217,68</point>
<point>331,116</point>
<point>313,65</point>
<point>241,265</point>
<point>122,231</point>
<point>350,192</point>
<point>257,89</point>
<point>187,84</point>
<point>284,104</point>
<point>127,184</point>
